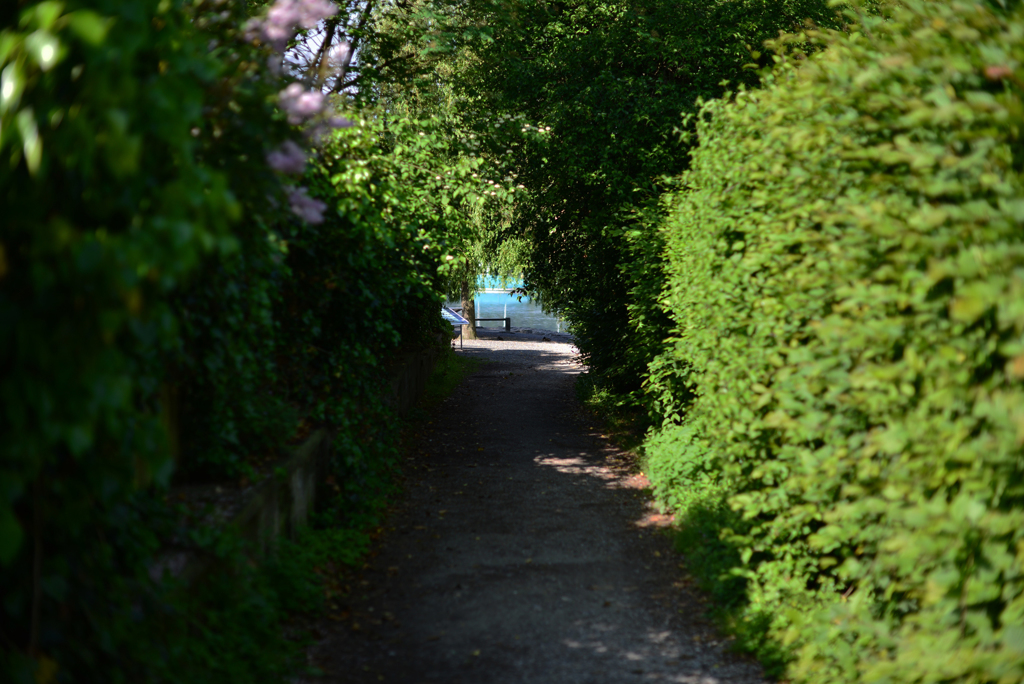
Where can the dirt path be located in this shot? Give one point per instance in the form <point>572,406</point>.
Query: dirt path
<point>525,551</point>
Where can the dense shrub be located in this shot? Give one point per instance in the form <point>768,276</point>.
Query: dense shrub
<point>846,261</point>
<point>165,291</point>
<point>106,208</point>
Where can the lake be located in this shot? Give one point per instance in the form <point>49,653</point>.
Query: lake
<point>524,314</point>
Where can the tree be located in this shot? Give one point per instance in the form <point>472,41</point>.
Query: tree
<point>583,100</point>
<point>416,78</point>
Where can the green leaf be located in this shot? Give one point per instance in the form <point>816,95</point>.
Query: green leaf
<point>12,83</point>
<point>42,15</point>
<point>89,26</point>
<point>1013,639</point>
<point>11,535</point>
<point>30,140</point>
<point>44,48</point>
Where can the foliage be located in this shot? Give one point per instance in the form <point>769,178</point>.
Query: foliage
<point>427,89</point>
<point>845,261</point>
<point>223,389</point>
<point>581,100</point>
<point>304,571</point>
<point>225,625</point>
<point>107,208</point>
<point>147,330</point>
<point>620,417</point>
<point>361,283</point>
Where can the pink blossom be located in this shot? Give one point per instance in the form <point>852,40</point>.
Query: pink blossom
<point>288,158</point>
<point>301,104</point>
<point>305,207</point>
<point>309,103</point>
<point>286,16</point>
<point>290,94</point>
<point>339,53</point>
<point>317,131</point>
<point>998,72</point>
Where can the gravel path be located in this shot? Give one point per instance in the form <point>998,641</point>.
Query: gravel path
<point>525,551</point>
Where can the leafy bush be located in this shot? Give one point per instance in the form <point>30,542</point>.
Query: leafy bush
<point>106,209</point>
<point>143,321</point>
<point>846,261</point>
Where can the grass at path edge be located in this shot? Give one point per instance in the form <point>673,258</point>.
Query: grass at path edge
<point>449,371</point>
<point>624,422</point>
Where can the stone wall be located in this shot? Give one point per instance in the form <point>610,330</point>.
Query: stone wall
<point>283,503</point>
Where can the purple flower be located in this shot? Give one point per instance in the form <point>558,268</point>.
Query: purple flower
<point>286,16</point>
<point>290,95</point>
<point>288,158</point>
<point>339,53</point>
<point>309,104</point>
<point>324,126</point>
<point>998,72</point>
<point>301,104</point>
<point>312,11</point>
<point>304,206</point>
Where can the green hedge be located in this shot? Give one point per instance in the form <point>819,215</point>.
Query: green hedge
<point>846,261</point>
<point>109,208</point>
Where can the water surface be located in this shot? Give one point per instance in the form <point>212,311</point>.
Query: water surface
<point>524,314</point>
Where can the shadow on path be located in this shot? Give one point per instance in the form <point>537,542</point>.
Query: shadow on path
<point>525,551</point>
